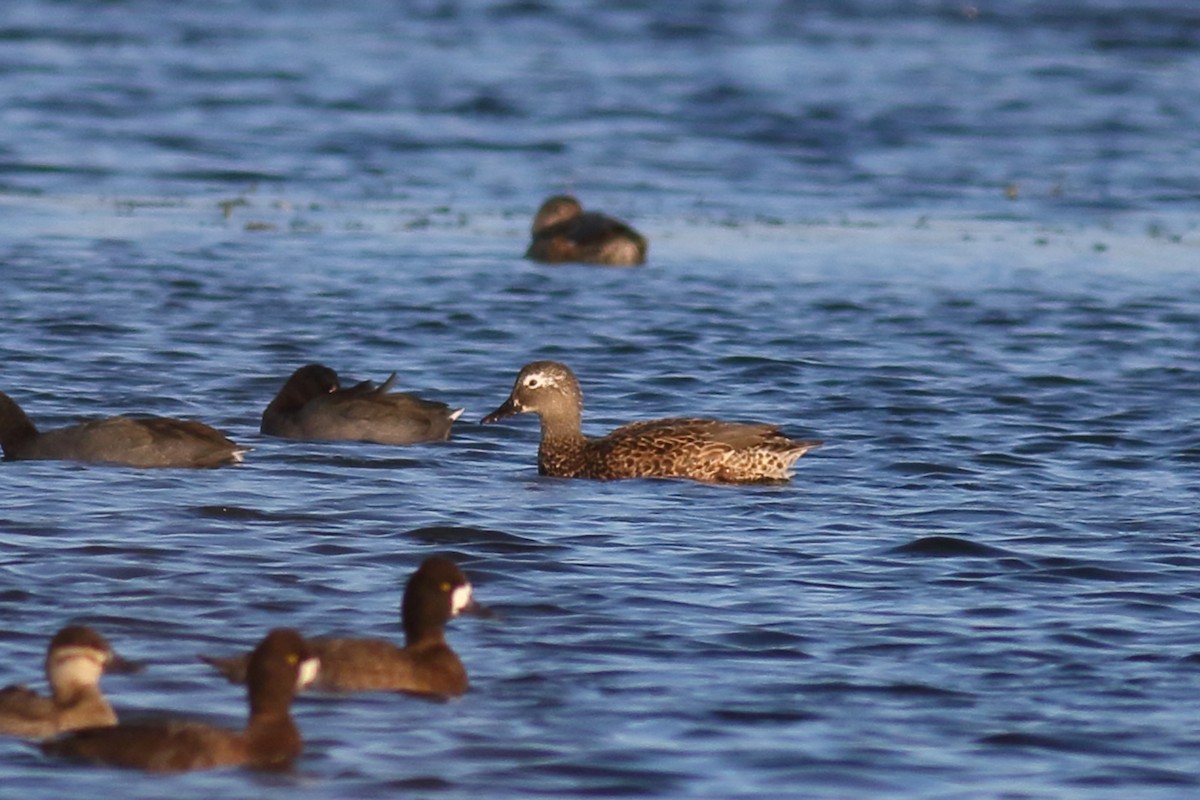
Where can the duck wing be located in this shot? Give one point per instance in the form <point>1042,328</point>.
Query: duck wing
<point>672,433</point>
<point>170,746</point>
<point>372,414</point>
<point>701,449</point>
<point>359,665</point>
<point>25,713</point>
<point>232,667</point>
<point>148,442</point>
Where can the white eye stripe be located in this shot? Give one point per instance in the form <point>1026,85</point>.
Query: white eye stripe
<point>538,378</point>
<point>62,655</point>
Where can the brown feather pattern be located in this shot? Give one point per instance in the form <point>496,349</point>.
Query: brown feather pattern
<point>700,449</point>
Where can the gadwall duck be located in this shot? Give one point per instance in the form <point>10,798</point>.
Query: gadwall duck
<point>75,660</point>
<point>280,665</point>
<point>312,406</point>
<point>563,231</point>
<point>426,665</point>
<point>126,441</point>
<point>701,449</point>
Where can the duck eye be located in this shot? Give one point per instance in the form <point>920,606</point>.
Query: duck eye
<point>293,659</point>
<point>532,383</point>
<point>445,586</point>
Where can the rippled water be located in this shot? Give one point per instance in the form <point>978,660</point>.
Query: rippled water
<point>953,242</point>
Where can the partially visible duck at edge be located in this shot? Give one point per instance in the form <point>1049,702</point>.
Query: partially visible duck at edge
<point>280,665</point>
<point>75,660</point>
<point>312,406</point>
<point>126,441</point>
<point>563,231</point>
<point>700,449</point>
<point>426,665</point>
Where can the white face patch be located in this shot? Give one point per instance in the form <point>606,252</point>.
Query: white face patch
<point>460,598</point>
<point>309,669</point>
<point>539,379</point>
<point>76,666</point>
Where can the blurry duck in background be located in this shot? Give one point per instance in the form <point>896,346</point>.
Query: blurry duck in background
<point>312,406</point>
<point>125,441</point>
<point>75,660</point>
<point>563,231</point>
<point>280,665</point>
<point>426,665</point>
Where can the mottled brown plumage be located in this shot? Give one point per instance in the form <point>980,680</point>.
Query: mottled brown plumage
<point>312,406</point>
<point>75,660</point>
<point>701,449</point>
<point>142,442</point>
<point>563,231</point>
<point>426,665</point>
<point>280,663</point>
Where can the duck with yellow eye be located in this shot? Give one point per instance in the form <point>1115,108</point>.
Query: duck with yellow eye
<point>426,664</point>
<point>280,665</point>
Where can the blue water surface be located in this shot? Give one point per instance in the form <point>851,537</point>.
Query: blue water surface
<point>955,241</point>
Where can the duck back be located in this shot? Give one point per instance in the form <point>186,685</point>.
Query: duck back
<point>154,747</point>
<point>358,665</point>
<point>148,442</point>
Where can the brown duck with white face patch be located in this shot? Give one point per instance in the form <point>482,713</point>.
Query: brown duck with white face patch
<point>312,406</point>
<point>700,449</point>
<point>75,660</point>
<point>426,665</point>
<point>126,441</point>
<point>563,231</point>
<point>280,664</point>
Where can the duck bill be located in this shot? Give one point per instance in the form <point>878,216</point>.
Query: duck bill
<point>475,609</point>
<point>506,409</point>
<point>462,601</point>
<point>119,665</point>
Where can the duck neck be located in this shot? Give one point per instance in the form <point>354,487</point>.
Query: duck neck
<point>563,426</point>
<point>16,429</point>
<point>86,707</point>
<point>288,401</point>
<point>424,637</point>
<point>78,695</point>
<point>423,623</point>
<point>563,446</point>
<point>269,699</point>
<point>272,738</point>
